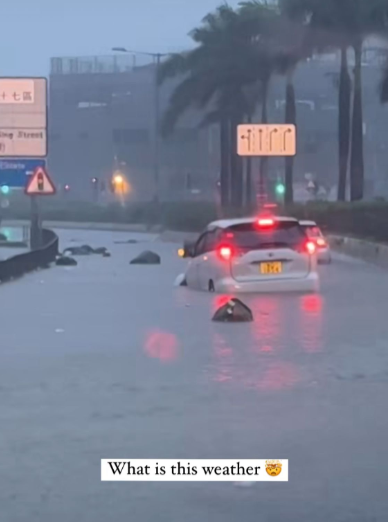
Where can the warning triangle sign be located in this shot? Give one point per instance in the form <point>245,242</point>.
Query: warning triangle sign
<point>40,184</point>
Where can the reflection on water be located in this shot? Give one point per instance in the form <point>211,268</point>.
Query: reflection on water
<point>279,375</point>
<point>161,345</point>
<point>310,323</point>
<point>257,355</point>
<point>220,300</point>
<point>266,327</point>
<point>224,358</point>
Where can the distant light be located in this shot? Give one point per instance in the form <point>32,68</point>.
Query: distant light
<point>94,180</point>
<point>118,179</point>
<point>5,189</point>
<point>67,187</point>
<point>181,252</point>
<point>280,189</point>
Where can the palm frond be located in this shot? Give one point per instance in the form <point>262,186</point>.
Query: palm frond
<point>175,65</point>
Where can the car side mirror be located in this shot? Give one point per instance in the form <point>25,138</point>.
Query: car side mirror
<point>188,250</point>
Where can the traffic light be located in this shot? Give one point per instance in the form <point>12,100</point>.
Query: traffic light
<point>5,189</point>
<point>280,189</point>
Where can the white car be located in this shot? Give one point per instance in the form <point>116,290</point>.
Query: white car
<point>266,254</point>
<point>315,234</point>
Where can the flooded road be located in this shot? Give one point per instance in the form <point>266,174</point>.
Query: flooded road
<point>108,360</point>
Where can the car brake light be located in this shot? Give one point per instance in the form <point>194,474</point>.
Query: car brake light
<point>310,247</point>
<point>225,252</point>
<point>266,222</point>
<point>321,242</point>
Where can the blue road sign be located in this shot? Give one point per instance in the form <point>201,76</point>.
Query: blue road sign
<point>14,172</point>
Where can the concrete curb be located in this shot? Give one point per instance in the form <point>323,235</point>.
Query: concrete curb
<point>374,253</point>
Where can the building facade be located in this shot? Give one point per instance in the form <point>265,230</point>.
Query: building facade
<point>102,118</point>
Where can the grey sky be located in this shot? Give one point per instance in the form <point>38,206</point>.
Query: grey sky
<point>34,30</point>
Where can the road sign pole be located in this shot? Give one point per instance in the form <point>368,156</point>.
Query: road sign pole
<point>36,227</point>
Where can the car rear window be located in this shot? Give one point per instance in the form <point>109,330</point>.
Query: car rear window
<point>312,231</point>
<point>249,236</point>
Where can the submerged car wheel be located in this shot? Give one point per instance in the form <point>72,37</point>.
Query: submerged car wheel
<point>211,286</point>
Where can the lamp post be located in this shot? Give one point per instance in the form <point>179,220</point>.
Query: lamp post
<point>157,57</point>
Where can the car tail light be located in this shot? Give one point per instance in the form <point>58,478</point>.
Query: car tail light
<point>225,252</point>
<point>321,242</point>
<point>266,222</point>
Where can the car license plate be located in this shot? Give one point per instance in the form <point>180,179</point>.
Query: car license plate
<point>274,267</point>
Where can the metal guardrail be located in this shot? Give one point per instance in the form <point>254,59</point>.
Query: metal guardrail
<point>20,264</point>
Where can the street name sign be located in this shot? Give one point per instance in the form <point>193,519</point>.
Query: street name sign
<point>266,140</point>
<point>23,117</point>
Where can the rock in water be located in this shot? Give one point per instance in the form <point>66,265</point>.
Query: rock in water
<point>83,250</point>
<point>87,249</point>
<point>146,258</point>
<point>66,261</point>
<point>234,311</point>
<point>100,250</point>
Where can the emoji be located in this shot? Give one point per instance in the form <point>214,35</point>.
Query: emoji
<point>273,467</point>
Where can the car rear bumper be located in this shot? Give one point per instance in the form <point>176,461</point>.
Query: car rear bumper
<point>324,255</point>
<point>309,284</point>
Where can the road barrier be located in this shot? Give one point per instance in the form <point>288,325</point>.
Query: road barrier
<point>42,257</point>
<point>368,251</point>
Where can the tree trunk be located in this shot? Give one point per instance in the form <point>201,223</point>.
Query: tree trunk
<point>236,166</point>
<point>264,159</point>
<point>224,162</point>
<point>344,100</point>
<point>290,117</point>
<point>357,152</point>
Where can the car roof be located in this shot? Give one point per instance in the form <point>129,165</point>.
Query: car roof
<point>308,223</point>
<point>226,223</point>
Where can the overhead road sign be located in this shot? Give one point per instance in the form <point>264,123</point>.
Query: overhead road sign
<point>266,140</point>
<point>23,117</point>
<point>40,184</point>
<point>15,172</point>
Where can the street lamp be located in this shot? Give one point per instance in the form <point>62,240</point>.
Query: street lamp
<point>157,57</point>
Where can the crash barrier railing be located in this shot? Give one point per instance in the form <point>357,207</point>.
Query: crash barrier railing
<point>41,257</point>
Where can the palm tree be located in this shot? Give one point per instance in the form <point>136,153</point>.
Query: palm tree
<point>293,47</point>
<point>343,25</point>
<point>281,44</point>
<point>325,30</point>
<point>214,76</point>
